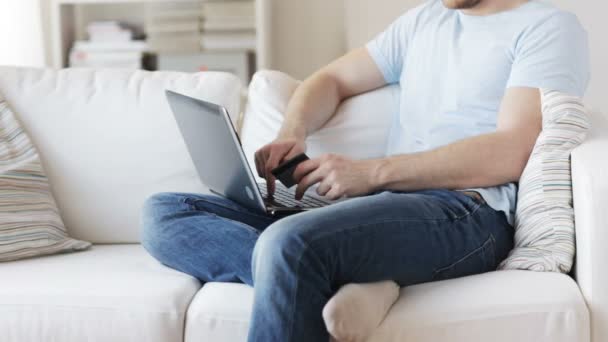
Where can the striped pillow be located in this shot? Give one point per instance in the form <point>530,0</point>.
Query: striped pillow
<point>30,224</point>
<point>544,219</point>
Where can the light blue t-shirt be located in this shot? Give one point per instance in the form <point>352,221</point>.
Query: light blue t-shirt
<point>454,69</point>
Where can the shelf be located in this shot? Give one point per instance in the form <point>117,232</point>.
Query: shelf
<point>64,25</point>
<point>112,2</point>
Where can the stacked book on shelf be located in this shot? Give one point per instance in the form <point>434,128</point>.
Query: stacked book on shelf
<point>239,63</point>
<point>229,25</point>
<point>110,45</point>
<point>173,27</point>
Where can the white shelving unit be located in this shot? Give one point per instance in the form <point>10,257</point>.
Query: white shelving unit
<point>64,25</point>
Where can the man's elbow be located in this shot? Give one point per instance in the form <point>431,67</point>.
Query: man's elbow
<point>517,170</point>
<point>324,79</point>
<point>508,163</point>
<point>518,161</point>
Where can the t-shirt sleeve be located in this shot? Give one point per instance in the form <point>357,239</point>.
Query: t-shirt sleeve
<point>553,55</point>
<point>388,49</point>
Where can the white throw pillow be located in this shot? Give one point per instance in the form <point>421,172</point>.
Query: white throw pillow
<point>30,224</point>
<point>544,219</point>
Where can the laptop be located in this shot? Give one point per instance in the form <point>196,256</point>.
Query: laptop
<point>220,162</point>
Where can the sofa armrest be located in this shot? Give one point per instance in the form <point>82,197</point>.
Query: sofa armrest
<point>590,188</point>
<point>359,129</point>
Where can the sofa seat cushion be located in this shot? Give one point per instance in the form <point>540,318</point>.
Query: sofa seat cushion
<point>110,293</point>
<point>502,306</point>
<point>220,312</point>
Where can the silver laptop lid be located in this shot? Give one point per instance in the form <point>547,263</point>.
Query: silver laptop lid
<point>215,149</point>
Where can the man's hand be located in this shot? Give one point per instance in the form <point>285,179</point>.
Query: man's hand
<point>273,154</point>
<point>337,177</point>
<point>314,103</point>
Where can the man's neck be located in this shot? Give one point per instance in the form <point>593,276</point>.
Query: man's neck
<point>487,7</point>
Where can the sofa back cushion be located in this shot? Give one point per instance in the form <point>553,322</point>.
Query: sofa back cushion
<point>108,140</point>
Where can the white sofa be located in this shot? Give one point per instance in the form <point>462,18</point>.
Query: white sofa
<point>108,141</point>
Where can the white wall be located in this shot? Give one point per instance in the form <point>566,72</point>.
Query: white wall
<point>366,18</point>
<point>21,33</point>
<point>306,35</point>
<point>592,13</point>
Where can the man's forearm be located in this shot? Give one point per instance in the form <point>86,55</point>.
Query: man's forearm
<point>311,106</point>
<point>482,161</point>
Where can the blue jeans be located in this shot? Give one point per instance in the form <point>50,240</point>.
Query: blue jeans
<point>299,262</point>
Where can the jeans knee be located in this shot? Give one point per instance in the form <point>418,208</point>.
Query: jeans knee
<point>154,212</point>
<point>280,246</point>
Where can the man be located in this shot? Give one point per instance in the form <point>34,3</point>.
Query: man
<point>439,206</point>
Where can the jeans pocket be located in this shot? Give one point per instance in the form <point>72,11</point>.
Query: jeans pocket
<point>482,259</point>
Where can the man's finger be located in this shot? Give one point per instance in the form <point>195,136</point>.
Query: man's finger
<point>266,174</point>
<point>269,178</point>
<point>274,159</point>
<point>308,181</point>
<point>323,188</point>
<point>293,152</point>
<point>305,168</point>
<point>271,163</point>
<point>333,194</point>
<point>258,165</point>
<point>270,185</point>
<point>263,161</point>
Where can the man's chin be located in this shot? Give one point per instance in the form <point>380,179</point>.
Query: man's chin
<point>461,4</point>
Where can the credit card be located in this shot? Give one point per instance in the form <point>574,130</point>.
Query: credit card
<point>284,172</point>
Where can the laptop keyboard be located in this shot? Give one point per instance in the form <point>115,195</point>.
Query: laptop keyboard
<point>286,198</point>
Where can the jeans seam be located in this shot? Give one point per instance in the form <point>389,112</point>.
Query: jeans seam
<point>225,207</point>
<point>190,201</point>
<point>243,225</point>
<point>187,200</point>
<point>467,211</point>
<point>454,220</point>
<point>307,247</point>
<point>490,239</point>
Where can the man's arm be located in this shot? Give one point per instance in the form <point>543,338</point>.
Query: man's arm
<point>482,161</point>
<point>314,103</point>
<point>316,99</point>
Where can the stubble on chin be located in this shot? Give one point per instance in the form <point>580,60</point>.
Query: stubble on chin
<point>461,4</point>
